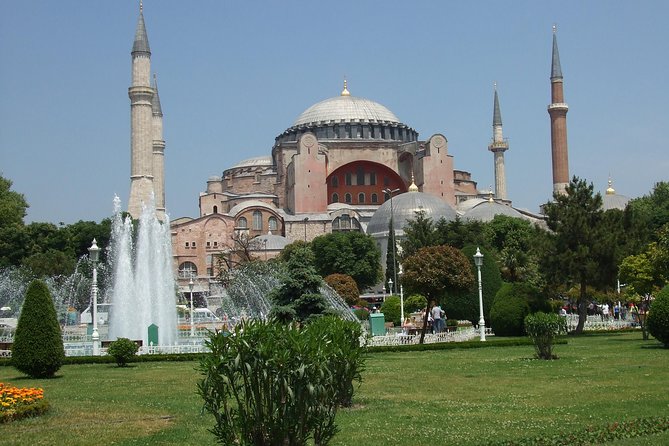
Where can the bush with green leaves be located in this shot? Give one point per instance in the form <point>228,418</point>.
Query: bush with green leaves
<point>414,303</point>
<point>658,317</point>
<point>122,350</point>
<point>509,310</point>
<point>391,310</point>
<point>38,348</point>
<point>276,384</point>
<point>543,328</point>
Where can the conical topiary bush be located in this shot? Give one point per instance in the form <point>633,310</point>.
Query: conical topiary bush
<point>38,343</point>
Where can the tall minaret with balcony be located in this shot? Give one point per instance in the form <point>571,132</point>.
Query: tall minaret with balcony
<point>158,153</point>
<point>498,146</point>
<point>558,113</point>
<point>141,125</point>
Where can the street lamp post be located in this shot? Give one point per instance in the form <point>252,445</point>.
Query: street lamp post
<point>306,219</point>
<point>190,287</point>
<point>478,260</point>
<point>392,231</point>
<point>401,298</point>
<point>390,285</point>
<point>94,253</point>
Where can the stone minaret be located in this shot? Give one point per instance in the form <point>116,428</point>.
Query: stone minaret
<point>141,126</point>
<point>158,153</point>
<point>498,147</point>
<point>558,113</point>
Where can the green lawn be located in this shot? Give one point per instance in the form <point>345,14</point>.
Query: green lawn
<point>454,397</point>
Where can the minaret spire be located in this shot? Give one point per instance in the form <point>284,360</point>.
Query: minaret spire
<point>158,157</point>
<point>498,146</point>
<point>141,122</point>
<point>558,112</point>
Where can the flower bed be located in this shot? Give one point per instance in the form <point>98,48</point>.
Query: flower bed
<point>17,403</point>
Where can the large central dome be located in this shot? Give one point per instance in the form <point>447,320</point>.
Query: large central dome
<point>346,109</point>
<point>347,117</point>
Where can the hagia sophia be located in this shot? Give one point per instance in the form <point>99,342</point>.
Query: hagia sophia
<point>344,164</point>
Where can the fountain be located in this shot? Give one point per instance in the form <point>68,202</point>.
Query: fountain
<point>143,288</point>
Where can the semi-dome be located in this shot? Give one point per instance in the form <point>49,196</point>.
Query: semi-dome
<point>486,211</point>
<point>404,208</point>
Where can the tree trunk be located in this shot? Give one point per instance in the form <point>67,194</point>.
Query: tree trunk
<point>582,308</point>
<point>425,318</point>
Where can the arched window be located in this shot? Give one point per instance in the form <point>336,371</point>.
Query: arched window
<point>335,198</point>
<point>361,198</point>
<point>360,176</point>
<point>375,199</point>
<point>273,224</point>
<point>187,270</point>
<point>349,179</point>
<point>335,181</point>
<point>257,221</point>
<point>215,209</point>
<point>345,223</point>
<point>242,223</point>
<point>347,198</point>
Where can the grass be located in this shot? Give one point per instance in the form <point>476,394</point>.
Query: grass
<point>455,397</point>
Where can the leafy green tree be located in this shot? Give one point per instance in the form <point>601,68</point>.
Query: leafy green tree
<point>651,211</point>
<point>13,205</point>
<point>459,233</point>
<point>579,250</point>
<point>351,253</point>
<point>298,296</point>
<point>419,232</point>
<point>516,241</point>
<point>38,344</point>
<point>13,239</point>
<point>464,305</point>
<point>509,309</point>
<point>345,286</point>
<point>414,302</point>
<point>437,271</point>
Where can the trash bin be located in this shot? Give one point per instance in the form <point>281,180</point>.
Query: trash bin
<point>377,324</point>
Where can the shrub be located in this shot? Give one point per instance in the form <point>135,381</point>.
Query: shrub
<point>508,311</point>
<point>658,317</point>
<point>345,286</point>
<point>391,310</point>
<point>414,303</point>
<point>122,350</point>
<point>362,313</point>
<point>38,344</point>
<point>543,328</point>
<point>273,383</point>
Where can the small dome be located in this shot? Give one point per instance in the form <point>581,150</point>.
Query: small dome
<point>404,208</point>
<point>269,242</point>
<point>346,108</point>
<point>486,210</point>
<point>253,162</point>
<point>614,201</point>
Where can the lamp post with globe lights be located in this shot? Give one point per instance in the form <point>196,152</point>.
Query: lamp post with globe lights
<point>390,193</point>
<point>478,260</point>
<point>191,284</point>
<point>94,255</point>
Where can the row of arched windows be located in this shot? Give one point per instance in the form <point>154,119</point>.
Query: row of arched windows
<point>272,222</point>
<point>348,198</point>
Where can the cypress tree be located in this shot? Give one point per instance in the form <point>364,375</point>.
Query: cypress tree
<point>38,343</point>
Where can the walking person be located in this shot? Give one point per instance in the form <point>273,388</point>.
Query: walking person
<point>438,319</point>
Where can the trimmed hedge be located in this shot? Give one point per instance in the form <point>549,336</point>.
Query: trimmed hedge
<point>38,349</point>
<point>456,345</point>
<point>658,317</point>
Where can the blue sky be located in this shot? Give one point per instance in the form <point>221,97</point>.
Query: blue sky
<point>234,75</point>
